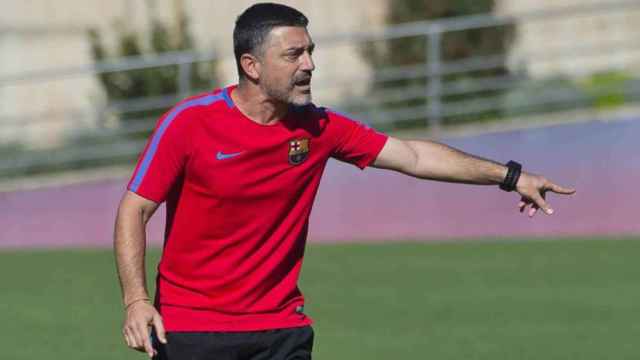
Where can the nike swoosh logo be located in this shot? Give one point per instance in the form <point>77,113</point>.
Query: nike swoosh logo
<point>222,156</point>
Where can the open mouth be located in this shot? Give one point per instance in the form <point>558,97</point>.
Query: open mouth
<point>303,82</point>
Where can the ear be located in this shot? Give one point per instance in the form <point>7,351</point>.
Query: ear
<point>251,66</point>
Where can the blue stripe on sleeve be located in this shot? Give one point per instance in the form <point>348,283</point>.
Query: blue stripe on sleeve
<point>148,157</point>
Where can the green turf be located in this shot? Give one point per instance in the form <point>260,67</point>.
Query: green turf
<point>576,299</point>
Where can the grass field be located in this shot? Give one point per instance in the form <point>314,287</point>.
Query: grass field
<point>573,299</point>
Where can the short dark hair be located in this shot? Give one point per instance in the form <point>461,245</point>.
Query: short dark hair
<point>254,25</point>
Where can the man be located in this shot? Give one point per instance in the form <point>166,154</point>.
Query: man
<point>239,169</point>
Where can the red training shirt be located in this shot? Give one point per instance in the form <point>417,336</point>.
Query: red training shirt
<point>239,195</point>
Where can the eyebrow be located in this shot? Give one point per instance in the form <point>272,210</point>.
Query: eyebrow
<point>311,46</point>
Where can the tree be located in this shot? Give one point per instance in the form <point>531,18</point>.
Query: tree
<point>150,82</point>
<point>456,45</point>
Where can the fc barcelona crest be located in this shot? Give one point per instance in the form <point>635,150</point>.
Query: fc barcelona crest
<point>298,151</point>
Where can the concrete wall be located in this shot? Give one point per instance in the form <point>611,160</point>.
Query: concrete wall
<point>50,105</point>
<point>598,158</point>
<point>538,38</point>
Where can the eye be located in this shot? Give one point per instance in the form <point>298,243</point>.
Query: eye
<point>293,54</point>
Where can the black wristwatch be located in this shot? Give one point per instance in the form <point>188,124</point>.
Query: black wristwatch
<point>513,174</point>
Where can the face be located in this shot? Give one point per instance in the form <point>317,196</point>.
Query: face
<point>286,65</point>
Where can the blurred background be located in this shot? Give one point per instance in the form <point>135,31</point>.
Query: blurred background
<point>552,84</point>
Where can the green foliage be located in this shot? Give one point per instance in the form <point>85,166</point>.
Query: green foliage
<point>150,82</point>
<point>10,152</point>
<point>455,46</point>
<point>602,91</point>
<point>11,149</point>
<point>546,95</point>
<point>608,89</point>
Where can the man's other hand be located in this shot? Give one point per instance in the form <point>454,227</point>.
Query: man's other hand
<point>140,318</point>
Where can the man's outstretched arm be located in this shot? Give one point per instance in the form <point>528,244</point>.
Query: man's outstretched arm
<point>129,245</point>
<point>435,161</point>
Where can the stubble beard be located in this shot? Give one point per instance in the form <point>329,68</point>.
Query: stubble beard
<point>287,95</point>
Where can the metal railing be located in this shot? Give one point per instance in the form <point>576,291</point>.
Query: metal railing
<point>434,91</point>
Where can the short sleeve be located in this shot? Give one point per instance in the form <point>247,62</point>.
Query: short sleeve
<point>357,143</point>
<point>163,160</point>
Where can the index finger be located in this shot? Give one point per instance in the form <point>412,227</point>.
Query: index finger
<point>560,190</point>
<point>148,348</point>
<point>146,340</point>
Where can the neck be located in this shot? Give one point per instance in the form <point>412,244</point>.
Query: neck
<point>255,105</point>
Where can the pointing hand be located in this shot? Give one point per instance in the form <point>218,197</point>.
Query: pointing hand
<point>533,189</point>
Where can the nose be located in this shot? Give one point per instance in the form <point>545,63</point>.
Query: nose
<point>307,62</point>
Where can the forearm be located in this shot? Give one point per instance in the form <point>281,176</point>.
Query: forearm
<point>129,247</point>
<point>440,162</point>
